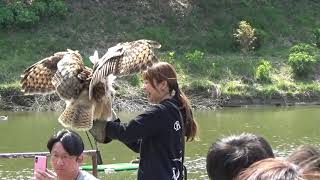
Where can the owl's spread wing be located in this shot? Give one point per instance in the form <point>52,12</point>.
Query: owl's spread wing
<point>71,76</point>
<point>59,73</point>
<point>124,59</point>
<point>36,79</point>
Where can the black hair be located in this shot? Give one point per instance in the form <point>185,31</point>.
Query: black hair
<point>70,140</point>
<point>230,155</point>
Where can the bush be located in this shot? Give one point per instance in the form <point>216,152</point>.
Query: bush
<point>39,7</point>
<point>302,63</point>
<point>260,38</point>
<point>24,14</point>
<point>215,72</point>
<point>245,35</point>
<point>196,56</point>
<point>195,61</point>
<point>26,18</point>
<point>263,71</point>
<point>170,57</point>
<point>6,16</point>
<point>302,47</point>
<point>317,37</point>
<point>57,8</point>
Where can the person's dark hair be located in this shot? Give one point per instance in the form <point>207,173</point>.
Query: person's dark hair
<point>230,155</point>
<point>70,140</point>
<point>163,71</point>
<point>266,169</point>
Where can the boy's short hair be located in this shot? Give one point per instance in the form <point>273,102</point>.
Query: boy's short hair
<point>230,155</point>
<point>70,140</point>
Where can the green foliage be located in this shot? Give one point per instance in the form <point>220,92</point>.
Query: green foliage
<point>57,8</point>
<point>302,59</point>
<point>245,35</point>
<point>20,14</point>
<point>196,56</point>
<point>263,71</point>
<point>25,17</point>
<point>170,57</point>
<point>134,80</point>
<point>200,85</point>
<point>215,72</point>
<point>196,61</point>
<point>187,41</point>
<point>261,36</point>
<point>234,88</point>
<point>39,7</point>
<point>317,37</point>
<point>303,47</point>
<point>160,34</point>
<point>302,63</point>
<point>6,16</point>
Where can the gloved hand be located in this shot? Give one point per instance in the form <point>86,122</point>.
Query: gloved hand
<point>98,130</point>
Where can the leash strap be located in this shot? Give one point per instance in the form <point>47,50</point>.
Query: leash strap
<point>182,139</point>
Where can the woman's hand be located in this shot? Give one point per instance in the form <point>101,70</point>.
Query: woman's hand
<point>45,175</point>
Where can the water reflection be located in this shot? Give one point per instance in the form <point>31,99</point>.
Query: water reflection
<point>285,128</point>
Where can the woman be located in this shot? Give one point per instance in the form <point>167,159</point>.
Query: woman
<point>158,133</point>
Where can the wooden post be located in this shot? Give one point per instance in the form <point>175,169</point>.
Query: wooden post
<point>92,153</point>
<point>94,164</point>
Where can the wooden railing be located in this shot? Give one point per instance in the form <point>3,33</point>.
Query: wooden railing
<point>92,153</point>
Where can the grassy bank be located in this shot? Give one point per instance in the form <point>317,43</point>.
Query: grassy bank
<point>196,36</point>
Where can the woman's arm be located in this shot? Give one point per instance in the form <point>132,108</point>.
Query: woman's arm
<point>146,124</point>
<point>135,146</point>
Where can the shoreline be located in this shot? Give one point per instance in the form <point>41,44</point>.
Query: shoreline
<point>14,100</point>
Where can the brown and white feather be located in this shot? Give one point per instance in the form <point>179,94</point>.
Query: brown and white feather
<point>65,74</point>
<point>36,79</point>
<point>136,56</point>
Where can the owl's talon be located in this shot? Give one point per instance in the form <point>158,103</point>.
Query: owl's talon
<point>98,130</point>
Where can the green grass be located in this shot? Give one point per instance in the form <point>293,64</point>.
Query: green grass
<point>206,26</point>
<point>12,85</point>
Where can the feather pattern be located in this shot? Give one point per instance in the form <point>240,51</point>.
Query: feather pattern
<point>88,93</point>
<point>65,74</point>
<point>124,59</point>
<point>37,78</point>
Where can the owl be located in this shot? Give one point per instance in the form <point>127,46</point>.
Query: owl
<point>87,92</point>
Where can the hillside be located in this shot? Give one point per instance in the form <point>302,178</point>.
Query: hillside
<point>188,30</point>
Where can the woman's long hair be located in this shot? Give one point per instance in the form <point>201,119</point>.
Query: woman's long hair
<point>163,71</point>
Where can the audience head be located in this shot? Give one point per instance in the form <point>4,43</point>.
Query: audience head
<point>304,154</point>
<point>66,148</point>
<point>307,157</point>
<point>271,169</point>
<point>230,155</point>
<point>70,141</point>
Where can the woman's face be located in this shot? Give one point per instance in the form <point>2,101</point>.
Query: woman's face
<point>155,95</point>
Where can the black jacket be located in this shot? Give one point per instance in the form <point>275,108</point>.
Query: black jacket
<point>156,135</point>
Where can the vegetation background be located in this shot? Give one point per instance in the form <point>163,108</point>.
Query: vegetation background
<point>228,49</point>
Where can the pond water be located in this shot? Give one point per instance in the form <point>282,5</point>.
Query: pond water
<point>284,127</point>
